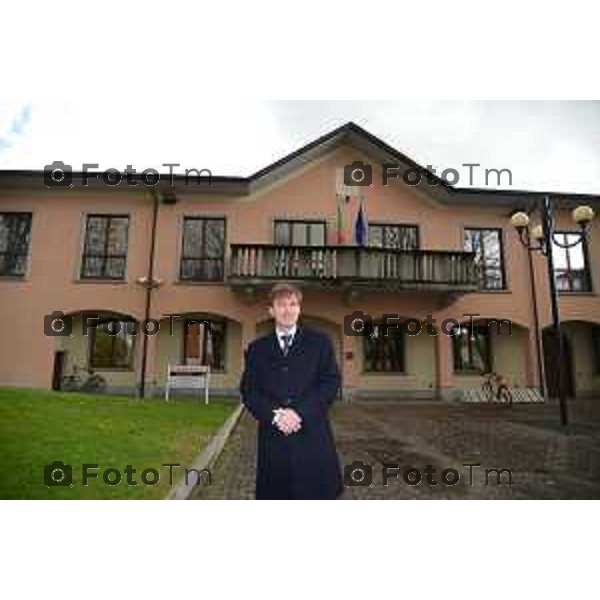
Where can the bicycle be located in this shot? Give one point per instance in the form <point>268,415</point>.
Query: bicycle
<point>495,388</point>
<point>75,382</point>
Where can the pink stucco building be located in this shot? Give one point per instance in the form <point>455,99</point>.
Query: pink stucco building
<point>220,243</point>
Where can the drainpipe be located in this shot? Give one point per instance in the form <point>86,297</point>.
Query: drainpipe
<point>149,282</point>
<point>148,285</point>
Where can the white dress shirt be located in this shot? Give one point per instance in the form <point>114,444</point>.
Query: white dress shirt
<point>281,332</point>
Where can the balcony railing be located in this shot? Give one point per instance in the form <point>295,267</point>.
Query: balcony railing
<point>421,269</point>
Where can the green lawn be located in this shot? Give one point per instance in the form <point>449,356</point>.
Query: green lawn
<point>39,427</point>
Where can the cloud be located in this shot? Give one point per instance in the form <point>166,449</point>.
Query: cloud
<point>14,125</point>
<point>550,146</point>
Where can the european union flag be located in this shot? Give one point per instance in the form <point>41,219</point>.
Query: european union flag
<point>361,228</point>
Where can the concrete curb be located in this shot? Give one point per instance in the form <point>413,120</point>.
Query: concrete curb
<point>207,458</point>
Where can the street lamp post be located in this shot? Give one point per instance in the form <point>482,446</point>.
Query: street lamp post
<point>536,324</point>
<point>544,234</point>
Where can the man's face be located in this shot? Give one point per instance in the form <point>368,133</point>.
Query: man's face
<point>285,310</point>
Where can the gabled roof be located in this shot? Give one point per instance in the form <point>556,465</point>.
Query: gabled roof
<point>352,135</point>
<point>349,134</point>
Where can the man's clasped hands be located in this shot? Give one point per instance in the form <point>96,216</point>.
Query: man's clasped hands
<point>287,420</point>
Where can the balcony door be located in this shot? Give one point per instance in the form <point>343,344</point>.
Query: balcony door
<point>295,257</point>
<point>388,262</point>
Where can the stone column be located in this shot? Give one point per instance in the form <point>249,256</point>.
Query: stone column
<point>445,366</point>
<point>531,360</point>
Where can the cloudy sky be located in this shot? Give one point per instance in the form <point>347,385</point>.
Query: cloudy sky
<point>551,146</point>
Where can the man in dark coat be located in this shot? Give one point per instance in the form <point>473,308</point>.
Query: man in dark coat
<point>290,380</point>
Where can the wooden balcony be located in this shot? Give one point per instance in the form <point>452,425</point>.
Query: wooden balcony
<point>353,266</point>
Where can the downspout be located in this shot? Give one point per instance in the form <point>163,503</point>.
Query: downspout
<point>149,287</point>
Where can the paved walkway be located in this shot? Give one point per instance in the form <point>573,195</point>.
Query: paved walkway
<point>545,460</point>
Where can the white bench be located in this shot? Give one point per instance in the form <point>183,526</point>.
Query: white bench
<point>188,377</point>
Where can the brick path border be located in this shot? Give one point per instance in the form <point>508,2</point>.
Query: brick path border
<point>208,457</point>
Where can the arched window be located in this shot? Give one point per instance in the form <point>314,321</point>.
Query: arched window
<point>384,353</point>
<point>472,354</point>
<point>112,344</point>
<point>204,343</point>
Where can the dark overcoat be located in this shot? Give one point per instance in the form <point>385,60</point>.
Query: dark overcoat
<point>305,464</point>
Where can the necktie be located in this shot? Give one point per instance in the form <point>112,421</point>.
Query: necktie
<point>287,340</point>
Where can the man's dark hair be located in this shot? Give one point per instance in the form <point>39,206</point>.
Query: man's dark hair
<point>281,290</point>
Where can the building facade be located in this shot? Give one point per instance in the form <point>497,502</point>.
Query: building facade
<point>208,251</point>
